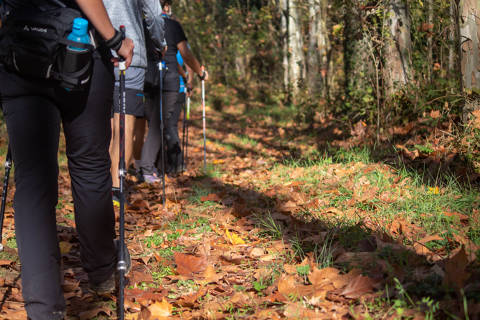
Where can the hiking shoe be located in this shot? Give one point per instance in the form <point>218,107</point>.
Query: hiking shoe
<point>108,286</point>
<point>115,200</point>
<point>116,196</point>
<point>151,179</point>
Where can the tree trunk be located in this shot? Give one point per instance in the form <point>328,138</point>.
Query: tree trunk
<point>452,38</point>
<point>470,31</point>
<point>398,47</point>
<point>284,35</point>
<point>318,43</point>
<point>295,45</point>
<point>358,65</point>
<point>430,38</point>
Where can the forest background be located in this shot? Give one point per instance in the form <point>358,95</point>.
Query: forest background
<point>385,71</point>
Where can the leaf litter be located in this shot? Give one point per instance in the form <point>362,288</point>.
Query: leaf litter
<point>261,239</point>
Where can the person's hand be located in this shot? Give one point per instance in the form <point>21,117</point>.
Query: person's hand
<point>126,51</point>
<point>204,75</point>
<point>189,90</point>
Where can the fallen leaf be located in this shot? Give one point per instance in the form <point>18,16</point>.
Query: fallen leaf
<point>188,265</point>
<point>319,276</point>
<point>461,217</point>
<point>287,285</point>
<point>455,270</point>
<point>65,247</point>
<point>90,314</point>
<point>233,238</point>
<point>420,245</point>
<point>358,287</point>
<point>211,197</point>
<point>160,310</point>
<point>5,262</point>
<point>210,275</point>
<point>257,252</point>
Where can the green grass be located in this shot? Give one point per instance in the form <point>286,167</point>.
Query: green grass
<point>270,228</point>
<point>155,240</point>
<point>162,272</point>
<point>8,256</point>
<point>198,191</point>
<point>245,140</point>
<point>12,243</point>
<point>167,253</point>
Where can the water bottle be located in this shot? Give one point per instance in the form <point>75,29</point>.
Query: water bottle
<point>77,58</point>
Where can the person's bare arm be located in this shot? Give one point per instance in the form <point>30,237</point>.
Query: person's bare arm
<point>181,71</point>
<point>98,17</point>
<point>189,81</point>
<point>190,59</point>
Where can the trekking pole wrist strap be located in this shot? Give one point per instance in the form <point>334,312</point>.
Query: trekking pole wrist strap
<point>115,43</point>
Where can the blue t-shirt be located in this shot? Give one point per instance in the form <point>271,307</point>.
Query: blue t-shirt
<point>183,88</point>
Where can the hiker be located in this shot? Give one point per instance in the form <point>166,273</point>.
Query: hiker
<point>176,41</point>
<point>127,13</point>
<point>185,88</point>
<point>36,102</point>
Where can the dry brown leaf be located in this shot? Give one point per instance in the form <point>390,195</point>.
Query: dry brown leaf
<point>455,270</point>
<point>210,275</point>
<point>420,245</point>
<point>90,314</point>
<point>190,300</point>
<point>290,268</point>
<point>211,197</point>
<point>461,217</point>
<point>267,315</point>
<point>256,252</point>
<point>160,310</point>
<point>287,285</point>
<point>5,262</point>
<point>358,287</point>
<point>320,276</point>
<point>288,206</point>
<point>65,247</point>
<point>298,311</point>
<point>188,265</point>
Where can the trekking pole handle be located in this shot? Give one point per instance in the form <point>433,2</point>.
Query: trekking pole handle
<point>203,75</point>
<point>121,65</point>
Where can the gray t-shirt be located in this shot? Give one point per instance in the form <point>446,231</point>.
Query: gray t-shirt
<point>134,78</point>
<point>130,13</point>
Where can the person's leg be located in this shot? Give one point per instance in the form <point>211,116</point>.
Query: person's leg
<point>87,139</point>
<point>33,128</point>
<point>152,144</point>
<point>179,106</point>
<point>134,108</point>
<point>139,137</point>
<point>115,149</point>
<point>171,130</point>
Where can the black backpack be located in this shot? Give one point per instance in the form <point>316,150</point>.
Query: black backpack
<point>33,43</point>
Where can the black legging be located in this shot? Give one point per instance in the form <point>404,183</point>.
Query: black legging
<point>152,146</point>
<point>33,111</point>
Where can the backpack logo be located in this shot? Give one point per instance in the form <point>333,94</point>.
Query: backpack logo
<point>35,29</point>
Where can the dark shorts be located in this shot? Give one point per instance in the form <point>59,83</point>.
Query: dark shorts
<point>135,100</point>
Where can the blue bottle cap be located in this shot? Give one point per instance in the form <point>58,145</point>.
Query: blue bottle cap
<point>80,26</point>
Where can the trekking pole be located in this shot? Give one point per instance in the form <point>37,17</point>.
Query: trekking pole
<point>186,139</point>
<point>204,128</point>
<point>184,128</point>
<point>8,166</point>
<point>162,146</point>
<point>122,265</point>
